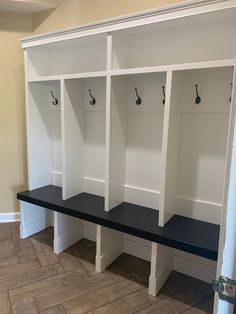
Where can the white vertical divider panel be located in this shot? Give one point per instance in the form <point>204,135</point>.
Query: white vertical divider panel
<point>161,256</point>
<point>73,118</point>
<point>108,123</point>
<point>109,242</point>
<point>67,229</point>
<point>170,148</point>
<point>116,138</point>
<point>161,267</point>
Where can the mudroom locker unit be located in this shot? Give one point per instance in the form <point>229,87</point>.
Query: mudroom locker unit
<point>128,136</point>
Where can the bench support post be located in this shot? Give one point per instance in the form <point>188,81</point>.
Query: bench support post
<point>161,267</point>
<point>33,219</point>
<point>109,247</point>
<point>67,231</point>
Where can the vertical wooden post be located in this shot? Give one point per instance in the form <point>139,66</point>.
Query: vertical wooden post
<point>161,267</point>
<point>109,247</point>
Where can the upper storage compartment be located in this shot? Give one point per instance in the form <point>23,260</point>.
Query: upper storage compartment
<point>79,55</point>
<point>174,42</point>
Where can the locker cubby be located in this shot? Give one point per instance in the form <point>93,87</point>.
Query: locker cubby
<point>44,134</point>
<point>136,140</point>
<point>152,45</point>
<point>44,150</point>
<point>67,57</point>
<point>84,136</point>
<point>197,143</point>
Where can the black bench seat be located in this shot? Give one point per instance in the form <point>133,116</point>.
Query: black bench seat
<point>185,234</point>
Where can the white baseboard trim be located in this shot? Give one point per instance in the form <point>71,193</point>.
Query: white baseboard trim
<point>89,231</point>
<point>142,196</point>
<point>94,186</point>
<point>9,217</point>
<point>194,266</point>
<point>133,194</point>
<point>198,209</point>
<point>137,247</point>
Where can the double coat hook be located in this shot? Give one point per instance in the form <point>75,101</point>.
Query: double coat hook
<point>164,94</point>
<point>198,98</point>
<point>139,100</point>
<point>55,101</point>
<point>231,84</point>
<point>93,101</point>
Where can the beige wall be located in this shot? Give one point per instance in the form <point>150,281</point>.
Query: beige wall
<point>12,112</point>
<point>74,12</point>
<point>13,169</point>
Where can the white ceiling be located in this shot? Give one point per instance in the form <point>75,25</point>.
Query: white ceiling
<point>27,6</point>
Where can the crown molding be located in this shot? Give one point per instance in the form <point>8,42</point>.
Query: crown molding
<point>167,13</point>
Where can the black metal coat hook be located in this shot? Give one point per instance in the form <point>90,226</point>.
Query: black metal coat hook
<point>139,100</point>
<point>231,84</point>
<point>55,101</point>
<point>198,98</point>
<point>164,94</point>
<point>93,101</point>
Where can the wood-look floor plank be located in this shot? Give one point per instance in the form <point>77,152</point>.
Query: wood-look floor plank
<point>97,298</point>
<point>44,253</point>
<point>9,225</point>
<point>45,285</point>
<point>69,292</point>
<point>8,261</point>
<point>5,307</point>
<point>201,287</point>
<point>85,256</point>
<point>58,309</point>
<point>129,304</point>
<point>140,273</point>
<point>10,271</point>
<point>68,261</point>
<point>25,306</point>
<point>176,304</point>
<point>173,285</point>
<point>33,288</point>
<point>118,270</point>
<point>45,236</point>
<point>205,307</point>
<point>24,248</point>
<point>20,280</point>
<point>194,310</point>
<point>6,243</point>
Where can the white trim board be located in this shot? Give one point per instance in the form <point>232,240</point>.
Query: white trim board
<point>9,217</point>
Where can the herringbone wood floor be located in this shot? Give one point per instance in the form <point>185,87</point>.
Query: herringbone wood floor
<point>35,280</point>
